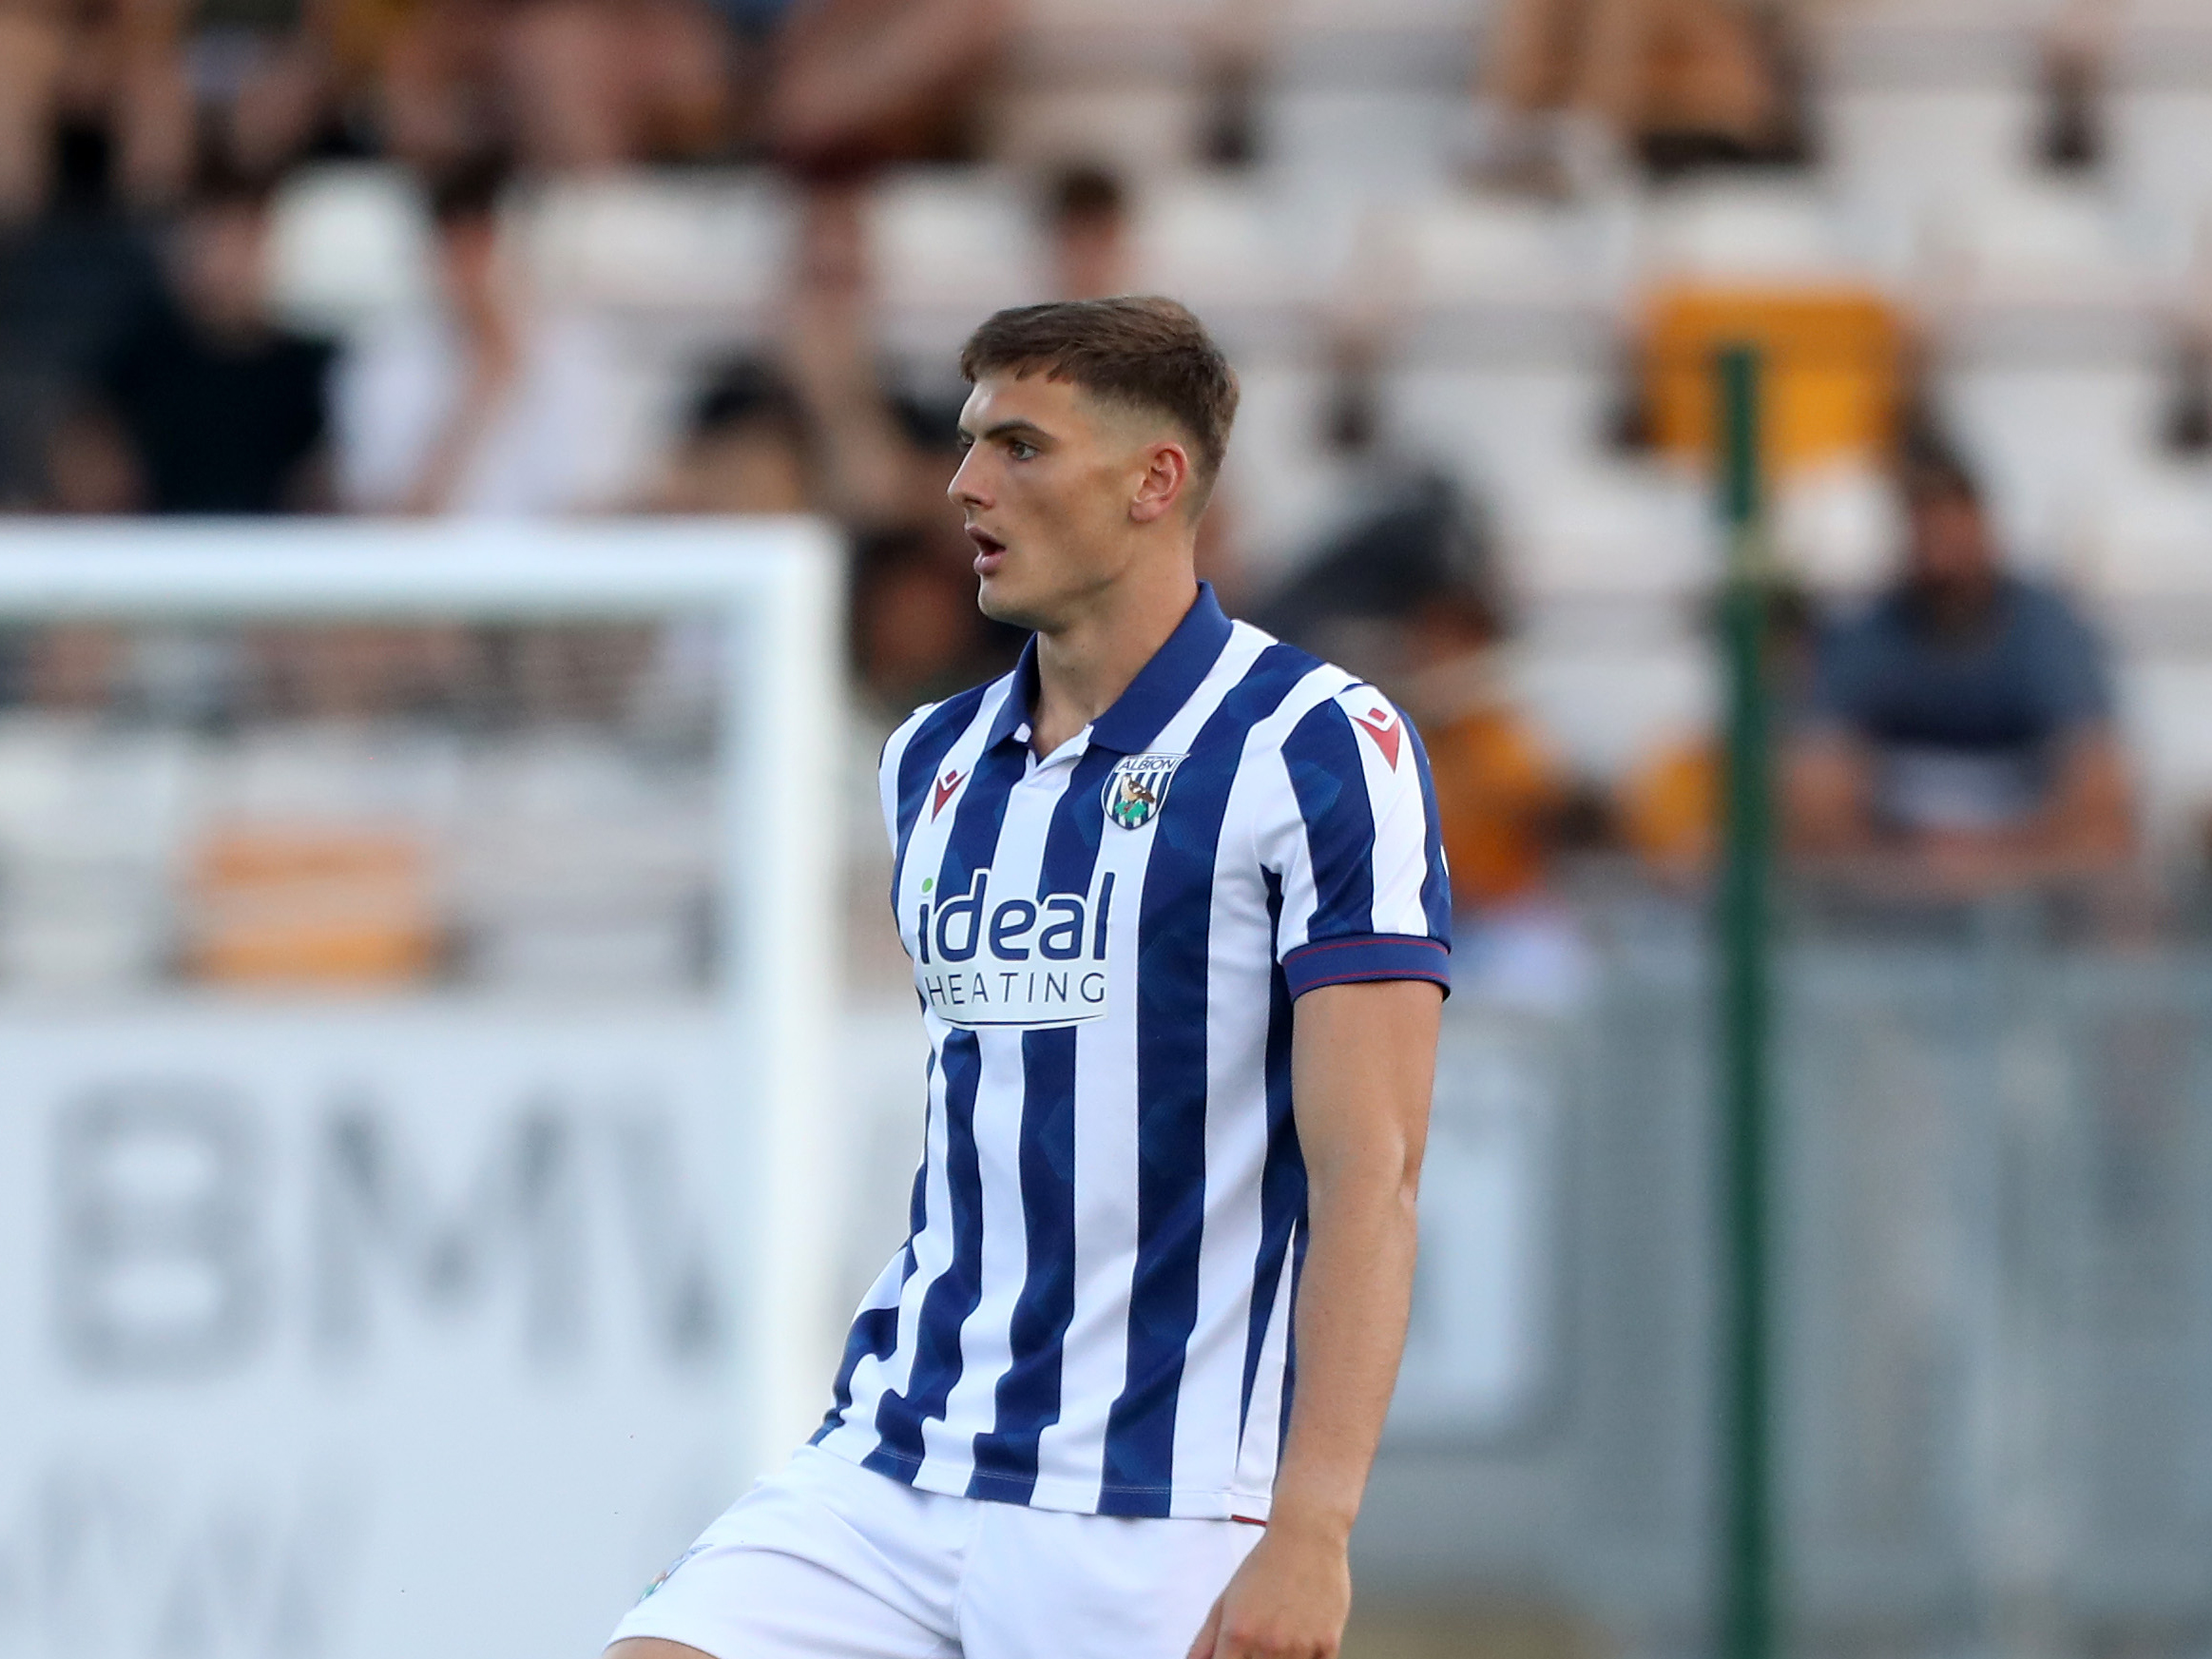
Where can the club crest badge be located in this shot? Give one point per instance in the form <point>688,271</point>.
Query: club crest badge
<point>1138,788</point>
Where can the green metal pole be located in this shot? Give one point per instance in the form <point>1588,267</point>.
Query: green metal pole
<point>1747,1555</point>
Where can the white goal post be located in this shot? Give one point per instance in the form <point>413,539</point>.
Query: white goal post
<point>427,1317</point>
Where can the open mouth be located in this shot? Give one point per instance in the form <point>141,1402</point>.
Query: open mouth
<point>988,548</point>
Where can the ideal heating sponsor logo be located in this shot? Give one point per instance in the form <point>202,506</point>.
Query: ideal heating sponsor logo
<point>1012,961</point>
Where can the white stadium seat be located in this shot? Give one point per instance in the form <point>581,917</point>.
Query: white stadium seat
<point>948,249</point>
<point>713,247</point>
<point>1754,230</point>
<point>347,242</point>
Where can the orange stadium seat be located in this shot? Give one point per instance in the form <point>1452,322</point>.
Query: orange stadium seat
<point>1835,357</point>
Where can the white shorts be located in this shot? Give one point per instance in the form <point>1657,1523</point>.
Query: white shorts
<point>827,1560</point>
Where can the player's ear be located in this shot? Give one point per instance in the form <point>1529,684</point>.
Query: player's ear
<point>1164,483</point>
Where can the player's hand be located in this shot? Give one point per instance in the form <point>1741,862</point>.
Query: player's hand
<point>1288,1601</point>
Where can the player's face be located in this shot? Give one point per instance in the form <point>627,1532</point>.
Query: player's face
<point>1045,487</point>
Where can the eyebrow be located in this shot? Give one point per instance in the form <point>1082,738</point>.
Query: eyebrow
<point>1007,429</point>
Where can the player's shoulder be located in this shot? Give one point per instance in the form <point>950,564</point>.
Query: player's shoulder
<point>936,726</point>
<point>1323,701</point>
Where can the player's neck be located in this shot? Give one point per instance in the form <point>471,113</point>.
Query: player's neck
<point>1083,669</point>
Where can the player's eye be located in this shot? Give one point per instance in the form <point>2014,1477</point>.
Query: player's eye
<point>1020,451</point>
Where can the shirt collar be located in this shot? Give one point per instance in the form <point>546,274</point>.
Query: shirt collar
<point>1161,688</point>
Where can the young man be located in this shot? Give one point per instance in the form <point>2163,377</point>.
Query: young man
<point>1179,921</point>
<point>1960,735</point>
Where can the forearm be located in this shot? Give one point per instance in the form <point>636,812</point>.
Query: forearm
<point>1364,1063</point>
<point>1354,1299</point>
<point>1363,1066</point>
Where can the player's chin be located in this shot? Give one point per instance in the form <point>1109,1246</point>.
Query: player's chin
<point>1001,599</point>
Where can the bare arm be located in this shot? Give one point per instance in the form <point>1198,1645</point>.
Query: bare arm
<point>1363,1061</point>
<point>2090,821</point>
<point>2085,827</point>
<point>1827,797</point>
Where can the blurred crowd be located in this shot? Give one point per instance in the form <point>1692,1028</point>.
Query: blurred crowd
<point>1949,729</point>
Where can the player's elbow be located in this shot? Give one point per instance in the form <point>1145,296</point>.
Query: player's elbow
<point>1381,1179</point>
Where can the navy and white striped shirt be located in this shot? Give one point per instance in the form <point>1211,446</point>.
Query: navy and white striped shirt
<point>1093,1311</point>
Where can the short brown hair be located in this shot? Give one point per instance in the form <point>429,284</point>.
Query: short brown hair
<point>1145,353</point>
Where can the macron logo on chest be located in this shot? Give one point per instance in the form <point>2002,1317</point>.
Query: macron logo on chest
<point>948,786</point>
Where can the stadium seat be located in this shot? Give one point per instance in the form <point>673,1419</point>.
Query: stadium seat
<point>91,817</point>
<point>1832,358</point>
<point>1767,262</point>
<point>1282,485</point>
<point>708,246</point>
<point>1221,242</point>
<point>2158,125</point>
<point>576,866</point>
<point>1918,105</point>
<point>2147,542</point>
<point>1137,130</point>
<point>1387,140</point>
<point>348,241</point>
<point>2037,240</point>
<point>1365,98</point>
<point>1609,684</point>
<point>951,246</point>
<point>1522,433</point>
<point>1079,85</point>
<point>2052,441</point>
<point>2047,360</point>
<point>1837,527</point>
<point>1903,152</point>
<point>2161,158</point>
<point>1738,230</point>
<point>1458,252</point>
<point>1613,530</point>
<point>1507,345</point>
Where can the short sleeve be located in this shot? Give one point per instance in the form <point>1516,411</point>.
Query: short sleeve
<point>2072,682</point>
<point>1354,850</point>
<point>890,765</point>
<point>1844,672</point>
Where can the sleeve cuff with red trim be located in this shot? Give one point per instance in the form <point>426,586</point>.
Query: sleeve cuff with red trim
<point>1361,956</point>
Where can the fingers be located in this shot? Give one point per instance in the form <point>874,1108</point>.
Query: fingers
<point>1223,1640</point>
<point>1209,1634</point>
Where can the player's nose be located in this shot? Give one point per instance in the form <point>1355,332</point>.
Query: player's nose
<point>965,489</point>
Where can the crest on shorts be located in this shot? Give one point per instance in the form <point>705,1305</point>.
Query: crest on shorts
<point>1138,788</point>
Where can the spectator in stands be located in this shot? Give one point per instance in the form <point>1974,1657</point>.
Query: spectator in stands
<point>74,283</point>
<point>1408,540</point>
<point>115,68</point>
<point>2078,44</point>
<point>745,447</point>
<point>827,351</point>
<point>560,84</point>
<point>1405,593</point>
<point>918,632</point>
<point>1501,796</point>
<point>207,406</point>
<point>881,465</point>
<point>1566,88</point>
<point>1087,234</point>
<point>856,84</point>
<point>1960,734</point>
<point>491,402</point>
<point>1503,804</point>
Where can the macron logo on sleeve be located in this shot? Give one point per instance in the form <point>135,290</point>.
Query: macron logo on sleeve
<point>1381,723</point>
